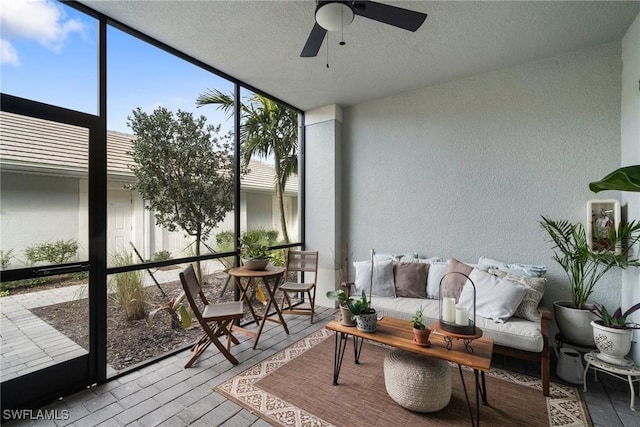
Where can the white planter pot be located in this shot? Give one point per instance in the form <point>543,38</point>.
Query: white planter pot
<point>614,344</point>
<point>367,322</point>
<point>575,325</point>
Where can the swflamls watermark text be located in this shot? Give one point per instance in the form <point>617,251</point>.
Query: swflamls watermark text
<point>35,414</point>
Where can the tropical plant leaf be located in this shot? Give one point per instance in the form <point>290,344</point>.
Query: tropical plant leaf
<point>622,179</point>
<point>185,317</point>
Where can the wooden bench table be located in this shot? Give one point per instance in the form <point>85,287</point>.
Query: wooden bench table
<point>397,333</point>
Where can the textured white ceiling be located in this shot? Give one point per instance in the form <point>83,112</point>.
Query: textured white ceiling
<point>259,42</point>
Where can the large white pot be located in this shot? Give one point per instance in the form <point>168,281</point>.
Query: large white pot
<point>574,324</point>
<point>614,344</point>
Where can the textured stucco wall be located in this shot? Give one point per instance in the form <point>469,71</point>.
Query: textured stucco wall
<point>630,128</point>
<point>323,199</point>
<point>465,169</point>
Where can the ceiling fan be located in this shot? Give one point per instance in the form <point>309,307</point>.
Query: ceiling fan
<point>332,15</point>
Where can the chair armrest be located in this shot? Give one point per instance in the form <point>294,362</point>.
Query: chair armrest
<point>347,286</point>
<point>545,319</point>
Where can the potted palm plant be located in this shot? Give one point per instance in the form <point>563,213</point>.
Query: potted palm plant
<point>342,297</point>
<point>420,331</point>
<point>584,268</point>
<point>612,333</point>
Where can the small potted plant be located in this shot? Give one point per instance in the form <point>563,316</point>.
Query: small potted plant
<point>365,316</point>
<point>420,330</point>
<point>254,252</point>
<point>345,315</point>
<point>612,333</point>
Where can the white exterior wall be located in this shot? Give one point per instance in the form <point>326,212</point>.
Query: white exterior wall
<point>40,209</point>
<point>466,169</point>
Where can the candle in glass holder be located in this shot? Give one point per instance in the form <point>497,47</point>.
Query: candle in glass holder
<point>449,309</point>
<point>462,316</point>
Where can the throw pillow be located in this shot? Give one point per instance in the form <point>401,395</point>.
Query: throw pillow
<point>437,270</point>
<point>411,279</point>
<point>516,269</point>
<point>395,257</point>
<point>428,260</point>
<point>382,278</point>
<point>453,283</point>
<point>496,298</point>
<point>528,308</point>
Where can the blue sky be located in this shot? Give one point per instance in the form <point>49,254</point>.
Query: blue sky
<point>48,52</point>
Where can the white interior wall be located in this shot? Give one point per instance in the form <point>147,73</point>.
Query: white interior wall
<point>630,143</point>
<point>466,169</point>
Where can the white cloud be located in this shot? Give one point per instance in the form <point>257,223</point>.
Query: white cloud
<point>40,20</point>
<point>8,54</point>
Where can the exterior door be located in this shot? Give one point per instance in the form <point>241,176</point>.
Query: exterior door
<point>119,221</point>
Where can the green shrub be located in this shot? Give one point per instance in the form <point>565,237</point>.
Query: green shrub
<point>224,241</point>
<point>59,252</point>
<point>5,258</point>
<point>80,275</point>
<point>127,288</point>
<point>162,256</point>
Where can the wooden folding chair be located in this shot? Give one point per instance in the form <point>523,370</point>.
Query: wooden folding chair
<point>299,262</point>
<point>215,319</point>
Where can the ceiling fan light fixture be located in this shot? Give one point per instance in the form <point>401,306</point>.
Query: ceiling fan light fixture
<point>334,15</point>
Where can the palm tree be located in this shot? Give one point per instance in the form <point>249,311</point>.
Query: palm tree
<point>267,129</point>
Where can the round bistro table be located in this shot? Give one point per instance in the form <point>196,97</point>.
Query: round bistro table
<point>245,280</point>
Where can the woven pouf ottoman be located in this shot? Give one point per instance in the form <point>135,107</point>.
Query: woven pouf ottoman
<point>415,382</point>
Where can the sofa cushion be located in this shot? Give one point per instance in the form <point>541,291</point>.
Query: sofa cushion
<point>383,285</point>
<point>409,256</point>
<point>454,283</point>
<point>528,308</point>
<point>495,298</point>
<point>437,270</point>
<point>516,333</point>
<point>513,268</point>
<point>410,279</point>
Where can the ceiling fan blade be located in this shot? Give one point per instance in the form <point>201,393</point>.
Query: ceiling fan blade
<point>392,15</point>
<point>312,46</point>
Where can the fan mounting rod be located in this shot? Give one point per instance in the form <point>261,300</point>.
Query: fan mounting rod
<point>334,15</point>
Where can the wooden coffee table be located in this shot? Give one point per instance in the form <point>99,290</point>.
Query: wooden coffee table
<point>397,333</point>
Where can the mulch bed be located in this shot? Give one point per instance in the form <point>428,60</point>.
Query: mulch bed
<point>133,341</point>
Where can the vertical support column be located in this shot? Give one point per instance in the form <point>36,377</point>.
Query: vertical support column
<point>323,196</point>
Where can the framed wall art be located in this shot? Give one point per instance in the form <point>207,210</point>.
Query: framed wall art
<point>602,216</point>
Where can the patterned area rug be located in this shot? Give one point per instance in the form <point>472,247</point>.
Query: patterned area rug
<point>280,398</point>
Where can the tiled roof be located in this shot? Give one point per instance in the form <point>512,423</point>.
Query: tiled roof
<point>40,146</point>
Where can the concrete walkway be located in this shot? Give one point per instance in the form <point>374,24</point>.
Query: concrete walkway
<point>29,343</point>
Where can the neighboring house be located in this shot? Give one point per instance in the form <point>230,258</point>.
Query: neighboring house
<point>44,186</point>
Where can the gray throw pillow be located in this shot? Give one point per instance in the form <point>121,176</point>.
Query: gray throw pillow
<point>411,279</point>
<point>528,308</point>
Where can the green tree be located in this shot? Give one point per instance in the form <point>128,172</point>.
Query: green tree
<point>184,168</point>
<point>267,129</point>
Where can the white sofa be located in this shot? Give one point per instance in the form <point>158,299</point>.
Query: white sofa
<point>400,294</point>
